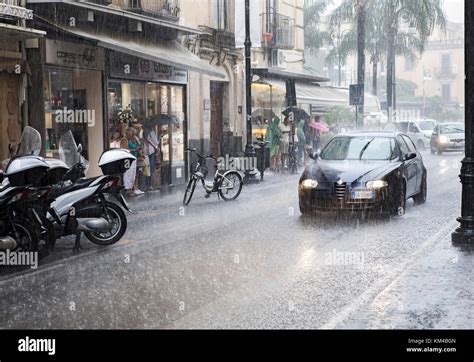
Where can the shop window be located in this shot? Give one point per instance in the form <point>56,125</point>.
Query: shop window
<point>65,109</point>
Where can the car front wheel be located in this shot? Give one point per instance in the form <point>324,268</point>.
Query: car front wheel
<point>398,207</point>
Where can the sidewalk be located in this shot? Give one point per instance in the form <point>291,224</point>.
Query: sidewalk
<point>435,291</point>
<point>174,195</point>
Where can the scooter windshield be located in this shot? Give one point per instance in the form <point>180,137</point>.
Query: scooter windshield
<point>69,152</point>
<point>30,142</point>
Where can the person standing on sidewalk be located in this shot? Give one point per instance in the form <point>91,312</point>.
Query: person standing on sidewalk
<point>285,128</point>
<point>130,142</point>
<point>152,150</point>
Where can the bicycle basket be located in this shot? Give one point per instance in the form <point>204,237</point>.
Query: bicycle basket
<point>203,170</point>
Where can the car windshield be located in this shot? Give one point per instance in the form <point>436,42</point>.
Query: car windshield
<point>427,125</point>
<point>452,128</point>
<point>360,148</point>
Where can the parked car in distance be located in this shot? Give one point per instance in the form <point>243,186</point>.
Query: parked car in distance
<point>448,137</point>
<point>418,130</point>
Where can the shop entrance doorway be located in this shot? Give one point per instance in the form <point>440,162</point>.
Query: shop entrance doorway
<point>217,117</point>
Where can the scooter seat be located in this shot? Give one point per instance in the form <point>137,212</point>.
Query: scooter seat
<point>78,185</point>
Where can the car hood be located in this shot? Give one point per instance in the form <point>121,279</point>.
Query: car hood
<point>348,171</point>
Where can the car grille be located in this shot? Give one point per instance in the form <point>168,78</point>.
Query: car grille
<point>340,190</point>
<point>457,140</point>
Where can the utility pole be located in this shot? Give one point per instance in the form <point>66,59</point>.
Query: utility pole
<point>464,234</point>
<point>361,14</point>
<point>249,148</point>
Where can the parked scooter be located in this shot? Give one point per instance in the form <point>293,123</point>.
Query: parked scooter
<point>92,206</point>
<point>21,227</point>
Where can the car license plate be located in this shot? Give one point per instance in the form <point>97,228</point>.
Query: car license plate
<point>363,195</point>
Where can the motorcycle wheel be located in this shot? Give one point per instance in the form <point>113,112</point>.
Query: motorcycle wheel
<point>27,238</point>
<point>119,225</point>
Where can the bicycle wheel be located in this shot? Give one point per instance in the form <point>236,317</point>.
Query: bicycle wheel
<point>188,195</point>
<point>230,186</point>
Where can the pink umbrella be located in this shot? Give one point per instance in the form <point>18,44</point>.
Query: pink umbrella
<point>320,127</point>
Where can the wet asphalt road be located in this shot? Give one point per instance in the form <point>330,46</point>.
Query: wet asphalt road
<point>252,263</point>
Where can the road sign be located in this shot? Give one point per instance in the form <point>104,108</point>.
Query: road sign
<point>356,94</point>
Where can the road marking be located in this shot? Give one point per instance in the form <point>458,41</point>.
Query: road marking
<point>62,262</point>
<point>378,288</point>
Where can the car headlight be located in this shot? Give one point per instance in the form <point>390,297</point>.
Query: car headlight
<point>309,184</point>
<point>443,139</point>
<point>376,184</point>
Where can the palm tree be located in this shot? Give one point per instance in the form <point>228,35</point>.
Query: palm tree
<point>422,15</point>
<point>314,37</point>
<point>384,35</point>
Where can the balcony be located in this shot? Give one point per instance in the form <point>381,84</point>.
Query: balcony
<point>13,10</point>
<point>445,73</point>
<point>444,44</point>
<point>278,31</point>
<point>163,9</point>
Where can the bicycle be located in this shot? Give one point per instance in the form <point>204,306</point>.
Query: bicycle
<point>227,185</point>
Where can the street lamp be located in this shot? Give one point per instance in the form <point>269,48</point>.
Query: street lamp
<point>249,148</point>
<point>464,234</point>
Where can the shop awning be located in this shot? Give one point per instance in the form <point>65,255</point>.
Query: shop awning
<point>284,74</point>
<point>169,53</point>
<point>10,32</point>
<point>325,97</point>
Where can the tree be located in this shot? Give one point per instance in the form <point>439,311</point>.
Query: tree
<point>314,37</point>
<point>422,15</point>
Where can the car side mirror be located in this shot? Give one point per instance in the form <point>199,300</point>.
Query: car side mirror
<point>409,156</point>
<point>79,148</point>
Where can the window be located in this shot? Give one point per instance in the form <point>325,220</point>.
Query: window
<point>403,146</point>
<point>414,128</point>
<point>360,148</point>
<point>410,144</point>
<point>409,64</point>
<point>220,11</point>
<point>446,63</point>
<point>446,92</point>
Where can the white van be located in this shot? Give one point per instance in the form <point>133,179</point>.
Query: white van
<point>418,130</point>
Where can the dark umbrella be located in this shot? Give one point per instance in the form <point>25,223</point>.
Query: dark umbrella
<point>264,113</point>
<point>298,113</point>
<point>161,120</point>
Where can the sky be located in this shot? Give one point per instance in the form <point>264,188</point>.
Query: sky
<point>454,9</point>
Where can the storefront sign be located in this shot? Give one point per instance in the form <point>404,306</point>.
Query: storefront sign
<point>127,66</point>
<point>12,10</point>
<point>74,55</point>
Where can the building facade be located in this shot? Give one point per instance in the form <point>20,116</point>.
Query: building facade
<point>103,58</point>
<point>15,72</point>
<point>439,70</point>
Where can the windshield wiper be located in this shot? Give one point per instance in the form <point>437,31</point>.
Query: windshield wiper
<point>365,148</point>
